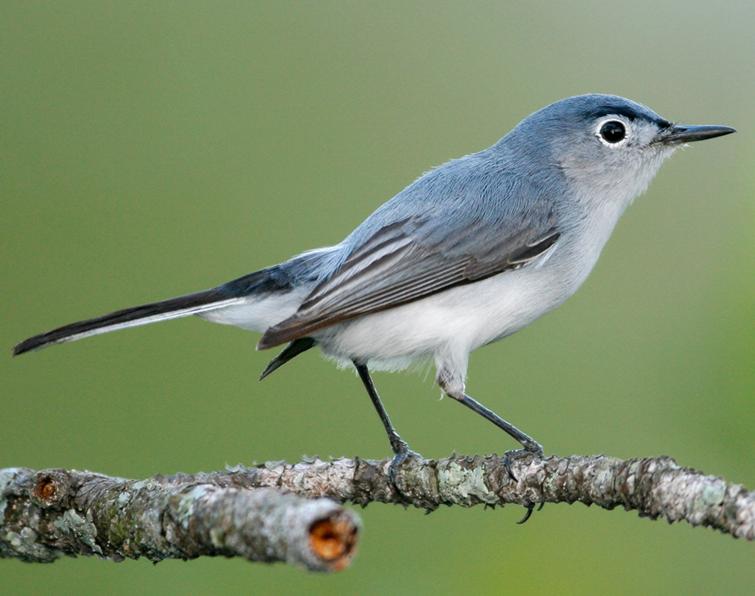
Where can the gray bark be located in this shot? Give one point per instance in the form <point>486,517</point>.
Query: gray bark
<point>51,513</point>
<point>655,487</point>
<point>288,512</point>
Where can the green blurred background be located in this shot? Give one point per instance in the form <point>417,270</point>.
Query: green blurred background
<point>153,148</point>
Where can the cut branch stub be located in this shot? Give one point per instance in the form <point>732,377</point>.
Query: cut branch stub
<point>50,513</point>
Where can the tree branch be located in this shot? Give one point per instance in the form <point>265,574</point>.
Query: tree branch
<point>654,487</point>
<point>286,512</point>
<point>50,513</point>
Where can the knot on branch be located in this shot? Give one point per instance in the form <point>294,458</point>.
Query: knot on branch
<point>51,488</point>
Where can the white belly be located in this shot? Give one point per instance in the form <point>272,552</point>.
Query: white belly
<point>455,321</point>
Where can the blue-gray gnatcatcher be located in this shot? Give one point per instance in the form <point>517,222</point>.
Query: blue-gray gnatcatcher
<point>469,253</point>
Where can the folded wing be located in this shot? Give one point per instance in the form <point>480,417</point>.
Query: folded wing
<point>415,257</point>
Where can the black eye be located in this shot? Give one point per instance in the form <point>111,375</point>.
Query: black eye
<point>613,131</point>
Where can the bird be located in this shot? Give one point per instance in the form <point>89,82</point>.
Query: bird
<point>467,254</point>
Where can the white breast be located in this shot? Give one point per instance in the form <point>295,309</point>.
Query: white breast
<point>457,320</point>
<point>451,324</point>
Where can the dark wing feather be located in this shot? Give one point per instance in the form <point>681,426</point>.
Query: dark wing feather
<point>392,268</point>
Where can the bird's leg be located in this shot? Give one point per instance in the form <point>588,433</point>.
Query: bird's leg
<point>453,386</point>
<point>529,444</point>
<point>400,447</point>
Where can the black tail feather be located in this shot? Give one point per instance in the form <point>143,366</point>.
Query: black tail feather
<point>120,317</point>
<point>292,350</point>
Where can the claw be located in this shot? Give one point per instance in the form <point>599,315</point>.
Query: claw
<point>399,458</point>
<point>528,514</point>
<point>509,456</point>
<point>530,508</point>
<point>507,460</point>
<point>396,462</point>
<point>507,465</point>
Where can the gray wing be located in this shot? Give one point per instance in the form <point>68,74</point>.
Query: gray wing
<point>416,256</point>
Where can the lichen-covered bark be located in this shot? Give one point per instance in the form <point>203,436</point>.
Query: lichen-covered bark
<point>286,512</point>
<point>50,513</point>
<point>654,487</point>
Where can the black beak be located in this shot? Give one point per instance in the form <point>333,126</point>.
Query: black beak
<point>683,133</point>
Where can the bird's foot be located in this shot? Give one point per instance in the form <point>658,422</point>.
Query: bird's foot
<point>402,453</point>
<point>529,450</point>
<point>532,449</point>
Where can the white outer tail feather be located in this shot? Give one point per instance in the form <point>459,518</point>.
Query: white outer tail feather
<point>176,314</point>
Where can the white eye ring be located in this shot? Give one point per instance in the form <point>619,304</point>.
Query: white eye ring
<point>613,118</point>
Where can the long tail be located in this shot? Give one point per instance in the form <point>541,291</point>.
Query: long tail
<point>174,308</point>
<point>272,282</point>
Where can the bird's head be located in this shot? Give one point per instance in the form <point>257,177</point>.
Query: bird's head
<point>606,145</point>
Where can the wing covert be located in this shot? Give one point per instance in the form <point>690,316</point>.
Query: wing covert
<point>411,258</point>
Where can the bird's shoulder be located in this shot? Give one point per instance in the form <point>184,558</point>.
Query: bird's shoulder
<point>468,198</point>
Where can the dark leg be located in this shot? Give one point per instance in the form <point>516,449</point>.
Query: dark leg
<point>397,443</point>
<point>400,447</point>
<point>530,445</point>
<point>524,439</point>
